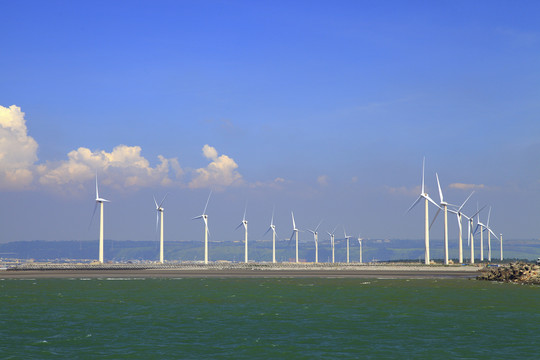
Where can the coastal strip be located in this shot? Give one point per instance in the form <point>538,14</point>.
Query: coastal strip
<point>238,271</point>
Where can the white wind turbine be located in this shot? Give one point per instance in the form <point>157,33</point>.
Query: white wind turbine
<point>490,232</point>
<point>159,209</point>
<point>99,201</point>
<point>482,228</point>
<point>347,238</point>
<point>295,232</point>
<point>332,243</point>
<point>444,205</point>
<point>273,228</point>
<point>204,216</point>
<point>427,199</point>
<point>470,235</point>
<point>245,224</point>
<point>360,243</point>
<point>316,239</point>
<point>459,215</point>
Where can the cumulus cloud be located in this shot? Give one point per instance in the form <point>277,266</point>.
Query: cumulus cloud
<point>322,180</point>
<point>18,151</point>
<point>461,186</point>
<point>221,172</point>
<point>124,166</point>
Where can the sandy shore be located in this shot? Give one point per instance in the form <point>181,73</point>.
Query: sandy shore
<point>401,271</point>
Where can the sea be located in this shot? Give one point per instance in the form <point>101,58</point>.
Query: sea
<point>268,318</point>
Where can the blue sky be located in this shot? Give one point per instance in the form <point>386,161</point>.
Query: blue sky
<point>318,107</point>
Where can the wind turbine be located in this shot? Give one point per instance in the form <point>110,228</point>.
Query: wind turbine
<point>245,224</point>
<point>489,235</point>
<point>204,216</point>
<point>360,243</point>
<point>99,201</point>
<point>470,236</point>
<point>347,238</point>
<point>444,205</point>
<point>159,209</point>
<point>482,228</point>
<point>273,228</point>
<point>316,239</point>
<point>427,199</point>
<point>295,231</point>
<point>458,215</point>
<point>332,243</point>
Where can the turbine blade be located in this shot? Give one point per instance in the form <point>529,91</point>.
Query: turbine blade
<point>97,191</point>
<point>293,223</point>
<point>423,166</point>
<point>462,205</point>
<point>157,220</point>
<point>93,214</point>
<point>266,232</point>
<point>161,203</point>
<point>317,228</point>
<point>433,202</point>
<point>197,217</point>
<point>476,213</point>
<point>439,185</point>
<point>239,226</point>
<point>205,206</point>
<point>489,215</point>
<point>272,221</point>
<point>414,204</point>
<point>434,218</point>
<point>155,202</point>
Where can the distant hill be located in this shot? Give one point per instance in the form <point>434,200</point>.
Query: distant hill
<point>374,250</point>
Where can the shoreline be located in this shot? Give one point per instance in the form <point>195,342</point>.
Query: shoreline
<point>401,271</point>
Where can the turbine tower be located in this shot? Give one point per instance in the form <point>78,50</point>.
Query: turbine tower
<point>99,201</point>
<point>245,224</point>
<point>316,239</point>
<point>295,232</point>
<point>360,243</point>
<point>159,209</point>
<point>459,215</point>
<point>427,199</point>
<point>204,216</point>
<point>500,235</point>
<point>347,238</point>
<point>332,243</point>
<point>273,228</point>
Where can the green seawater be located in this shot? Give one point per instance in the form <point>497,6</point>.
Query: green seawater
<point>269,318</point>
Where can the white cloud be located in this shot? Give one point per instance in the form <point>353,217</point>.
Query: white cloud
<point>461,186</point>
<point>323,180</point>
<point>18,151</point>
<point>123,167</point>
<point>221,171</point>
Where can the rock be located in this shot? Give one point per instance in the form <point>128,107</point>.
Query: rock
<point>514,272</point>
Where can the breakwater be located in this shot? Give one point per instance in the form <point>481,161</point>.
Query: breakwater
<point>518,272</point>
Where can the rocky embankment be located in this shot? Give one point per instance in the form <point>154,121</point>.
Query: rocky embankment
<point>517,272</point>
